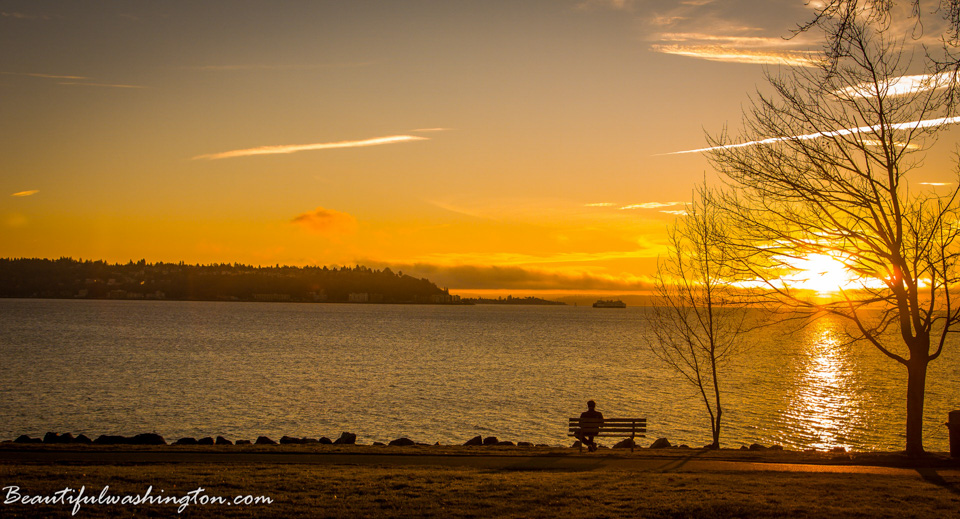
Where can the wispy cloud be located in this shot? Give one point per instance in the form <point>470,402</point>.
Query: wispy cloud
<point>280,67</point>
<point>26,193</point>
<point>294,148</point>
<point>326,221</point>
<point>740,55</point>
<point>650,205</point>
<point>73,80</point>
<point>47,76</point>
<point>926,123</point>
<point>600,204</point>
<point>903,85</point>
<point>680,212</point>
<point>107,85</point>
<point>936,184</point>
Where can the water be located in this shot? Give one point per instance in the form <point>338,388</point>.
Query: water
<point>430,373</point>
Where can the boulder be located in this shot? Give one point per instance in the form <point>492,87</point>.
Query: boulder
<point>757,447</point>
<point>838,449</point>
<point>82,438</point>
<point>475,441</point>
<point>308,440</point>
<point>106,439</point>
<point>626,443</point>
<point>325,441</point>
<point>222,441</point>
<point>242,442</point>
<point>23,438</point>
<point>401,442</point>
<point>661,443</point>
<point>148,439</point>
<point>205,441</point>
<point>284,440</point>
<point>346,439</point>
<point>379,444</point>
<point>186,441</point>
<point>52,437</point>
<point>524,444</point>
<point>744,447</point>
<point>506,443</point>
<point>776,447</point>
<point>263,440</point>
<point>490,440</point>
<point>684,446</point>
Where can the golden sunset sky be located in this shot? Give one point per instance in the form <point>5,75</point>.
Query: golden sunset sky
<point>513,145</point>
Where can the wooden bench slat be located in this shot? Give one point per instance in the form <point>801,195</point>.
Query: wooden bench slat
<point>613,429</point>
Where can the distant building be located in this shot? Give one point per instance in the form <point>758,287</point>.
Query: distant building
<point>361,297</point>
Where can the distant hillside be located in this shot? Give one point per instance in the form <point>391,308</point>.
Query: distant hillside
<point>69,278</point>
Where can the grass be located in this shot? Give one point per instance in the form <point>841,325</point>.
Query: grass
<point>369,490</point>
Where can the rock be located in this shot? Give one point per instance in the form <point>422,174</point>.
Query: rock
<point>524,444</point>
<point>222,441</point>
<point>325,441</point>
<point>475,441</point>
<point>288,440</point>
<point>346,439</point>
<point>148,439</point>
<point>743,447</point>
<point>776,447</point>
<point>541,445</point>
<point>23,438</point>
<point>263,440</point>
<point>490,440</point>
<point>51,437</point>
<point>308,440</point>
<point>106,439</point>
<point>838,449</point>
<point>205,441</point>
<point>401,442</point>
<point>379,444</point>
<point>82,438</point>
<point>506,443</point>
<point>242,442</point>
<point>186,441</point>
<point>627,443</point>
<point>757,447</point>
<point>684,446</point>
<point>661,443</point>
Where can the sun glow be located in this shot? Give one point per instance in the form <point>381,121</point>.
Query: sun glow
<point>823,274</point>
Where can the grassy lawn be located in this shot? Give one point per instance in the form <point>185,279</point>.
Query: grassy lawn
<point>305,490</point>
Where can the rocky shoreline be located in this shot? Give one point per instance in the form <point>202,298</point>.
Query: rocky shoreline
<point>345,438</point>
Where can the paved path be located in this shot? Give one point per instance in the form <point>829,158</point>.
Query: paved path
<point>484,462</point>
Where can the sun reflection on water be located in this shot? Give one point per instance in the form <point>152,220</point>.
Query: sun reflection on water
<point>826,406</point>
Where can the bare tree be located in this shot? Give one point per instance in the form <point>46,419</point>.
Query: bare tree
<point>696,321</point>
<point>822,168</point>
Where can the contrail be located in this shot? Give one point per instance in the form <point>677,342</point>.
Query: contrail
<point>293,148</point>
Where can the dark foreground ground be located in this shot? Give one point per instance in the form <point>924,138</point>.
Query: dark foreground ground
<point>363,481</point>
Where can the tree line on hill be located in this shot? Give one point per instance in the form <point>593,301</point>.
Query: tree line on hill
<point>69,278</point>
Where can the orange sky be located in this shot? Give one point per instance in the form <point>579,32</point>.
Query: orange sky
<point>486,145</point>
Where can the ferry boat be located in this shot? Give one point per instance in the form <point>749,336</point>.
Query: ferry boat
<point>609,304</point>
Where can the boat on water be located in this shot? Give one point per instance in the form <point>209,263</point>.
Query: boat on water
<point>609,304</point>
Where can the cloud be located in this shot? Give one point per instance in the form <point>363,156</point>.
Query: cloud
<point>936,184</point>
<point>248,67</point>
<point>912,125</point>
<point>108,85</point>
<point>680,212</point>
<point>600,204</point>
<point>739,55</point>
<point>618,5</point>
<point>26,193</point>
<point>650,205</point>
<point>293,148</point>
<point>899,86</point>
<point>47,76</point>
<point>420,130</point>
<point>326,221</point>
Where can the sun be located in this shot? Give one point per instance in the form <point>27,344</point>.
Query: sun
<point>823,274</point>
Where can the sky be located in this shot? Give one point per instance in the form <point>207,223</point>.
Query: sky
<point>516,146</point>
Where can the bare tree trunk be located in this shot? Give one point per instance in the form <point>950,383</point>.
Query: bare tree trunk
<point>916,385</point>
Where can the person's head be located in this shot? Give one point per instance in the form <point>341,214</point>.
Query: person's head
<point>591,404</point>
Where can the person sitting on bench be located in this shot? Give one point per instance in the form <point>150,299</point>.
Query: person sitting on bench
<point>590,422</point>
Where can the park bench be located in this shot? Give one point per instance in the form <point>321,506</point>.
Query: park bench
<point>618,427</point>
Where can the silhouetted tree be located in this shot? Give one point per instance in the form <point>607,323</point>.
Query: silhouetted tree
<point>697,319</point>
<point>821,169</point>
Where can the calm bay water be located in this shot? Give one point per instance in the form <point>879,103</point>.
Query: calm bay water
<point>430,373</point>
